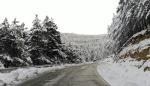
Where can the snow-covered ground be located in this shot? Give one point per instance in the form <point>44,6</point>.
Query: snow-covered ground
<point>22,74</point>
<point>125,73</point>
<point>136,47</point>
<point>144,44</point>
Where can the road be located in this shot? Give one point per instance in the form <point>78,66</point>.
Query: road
<point>85,75</point>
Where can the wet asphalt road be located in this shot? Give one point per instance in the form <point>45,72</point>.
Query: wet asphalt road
<point>85,75</point>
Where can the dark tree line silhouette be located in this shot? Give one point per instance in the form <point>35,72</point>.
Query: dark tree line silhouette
<point>40,45</point>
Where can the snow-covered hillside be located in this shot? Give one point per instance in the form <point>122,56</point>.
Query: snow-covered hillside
<point>138,46</point>
<point>88,47</point>
<point>132,16</point>
<point>130,30</point>
<point>131,66</point>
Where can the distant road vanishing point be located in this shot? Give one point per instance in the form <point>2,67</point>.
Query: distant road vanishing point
<point>85,75</point>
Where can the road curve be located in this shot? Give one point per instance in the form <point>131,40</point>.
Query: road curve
<point>85,75</point>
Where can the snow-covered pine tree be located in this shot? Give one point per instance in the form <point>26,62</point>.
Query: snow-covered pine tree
<point>13,44</point>
<point>45,43</point>
<point>72,55</point>
<point>18,49</point>
<point>4,34</point>
<point>53,42</point>
<point>41,45</point>
<point>36,44</point>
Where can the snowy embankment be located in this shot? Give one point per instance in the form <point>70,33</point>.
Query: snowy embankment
<point>128,73</point>
<point>22,74</point>
<point>140,46</point>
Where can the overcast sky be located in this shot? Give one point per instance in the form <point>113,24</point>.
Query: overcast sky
<point>71,16</point>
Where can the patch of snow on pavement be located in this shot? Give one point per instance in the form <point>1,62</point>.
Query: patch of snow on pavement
<point>124,73</point>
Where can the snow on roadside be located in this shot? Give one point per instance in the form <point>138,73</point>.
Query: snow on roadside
<point>124,73</point>
<point>22,74</point>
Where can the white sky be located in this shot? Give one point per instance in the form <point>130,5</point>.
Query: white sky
<point>71,16</point>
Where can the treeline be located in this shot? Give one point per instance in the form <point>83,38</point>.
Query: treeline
<point>132,16</point>
<point>40,45</point>
<point>89,48</point>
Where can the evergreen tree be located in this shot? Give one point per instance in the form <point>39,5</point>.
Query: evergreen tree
<point>45,43</point>
<point>12,44</point>
<point>53,41</point>
<point>132,16</point>
<point>35,42</point>
<point>42,45</point>
<point>3,34</point>
<point>72,55</point>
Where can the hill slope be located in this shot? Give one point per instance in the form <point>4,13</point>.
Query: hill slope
<point>132,16</point>
<point>88,47</point>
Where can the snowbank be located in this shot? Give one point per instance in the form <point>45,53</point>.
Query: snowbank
<point>125,73</point>
<point>22,74</point>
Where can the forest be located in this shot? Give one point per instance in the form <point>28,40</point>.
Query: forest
<point>132,17</point>
<point>89,48</point>
<point>39,45</point>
